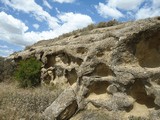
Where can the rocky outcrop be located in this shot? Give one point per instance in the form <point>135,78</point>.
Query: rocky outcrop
<point>63,107</point>
<point>115,69</point>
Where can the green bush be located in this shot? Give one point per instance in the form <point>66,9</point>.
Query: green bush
<point>28,72</point>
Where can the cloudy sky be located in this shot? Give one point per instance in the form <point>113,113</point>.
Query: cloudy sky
<point>24,22</point>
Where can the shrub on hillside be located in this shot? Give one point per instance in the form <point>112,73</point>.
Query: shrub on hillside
<point>28,72</point>
<point>1,68</point>
<point>7,68</point>
<point>107,24</point>
<point>101,25</point>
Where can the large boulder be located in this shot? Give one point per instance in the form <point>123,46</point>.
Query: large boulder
<point>63,107</point>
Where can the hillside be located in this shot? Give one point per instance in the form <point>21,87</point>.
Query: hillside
<point>107,72</point>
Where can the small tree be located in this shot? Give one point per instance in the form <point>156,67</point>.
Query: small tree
<point>28,72</point>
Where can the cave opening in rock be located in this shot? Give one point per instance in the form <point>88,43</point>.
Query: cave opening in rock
<point>47,79</point>
<point>98,87</point>
<point>148,50</point>
<point>68,59</point>
<point>71,76</point>
<point>73,59</point>
<point>82,50</point>
<point>102,70</point>
<point>62,58</point>
<point>50,61</point>
<point>138,92</point>
<point>18,59</point>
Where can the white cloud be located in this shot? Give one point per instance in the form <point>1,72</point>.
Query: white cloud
<point>11,28</point>
<point>156,3</point>
<point>130,9</point>
<point>6,52</point>
<point>15,31</point>
<point>149,11</point>
<point>73,21</point>
<point>125,4</point>
<point>36,26</point>
<point>30,6</point>
<point>107,11</point>
<point>64,1</point>
<point>3,47</point>
<point>11,25</point>
<point>47,4</point>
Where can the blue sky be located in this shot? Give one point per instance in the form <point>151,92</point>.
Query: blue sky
<point>24,22</point>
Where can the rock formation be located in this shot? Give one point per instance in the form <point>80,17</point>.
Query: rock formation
<point>115,69</point>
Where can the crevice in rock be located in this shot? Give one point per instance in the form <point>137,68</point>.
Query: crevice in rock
<point>19,58</point>
<point>98,87</point>
<point>68,112</point>
<point>156,78</point>
<point>41,54</point>
<point>71,76</point>
<point>101,51</point>
<point>50,61</point>
<point>137,91</point>
<point>76,60</point>
<point>102,70</point>
<point>47,79</point>
<point>82,50</point>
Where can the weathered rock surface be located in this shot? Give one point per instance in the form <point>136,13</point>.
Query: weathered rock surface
<point>115,68</point>
<point>63,107</point>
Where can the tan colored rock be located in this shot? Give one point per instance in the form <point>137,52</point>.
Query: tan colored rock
<point>63,107</point>
<point>115,68</point>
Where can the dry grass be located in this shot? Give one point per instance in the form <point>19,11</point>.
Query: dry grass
<point>24,104</point>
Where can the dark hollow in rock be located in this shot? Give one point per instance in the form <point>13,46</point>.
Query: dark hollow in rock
<point>138,92</point>
<point>47,79</point>
<point>148,51</point>
<point>102,70</point>
<point>64,57</point>
<point>50,61</point>
<point>98,87</point>
<point>71,76</point>
<point>68,112</point>
<point>82,50</point>
<point>18,59</point>
<point>156,78</point>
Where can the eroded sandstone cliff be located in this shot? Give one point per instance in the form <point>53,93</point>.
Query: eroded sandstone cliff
<point>113,69</point>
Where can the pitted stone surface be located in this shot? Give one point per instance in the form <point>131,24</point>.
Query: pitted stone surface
<point>115,68</point>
